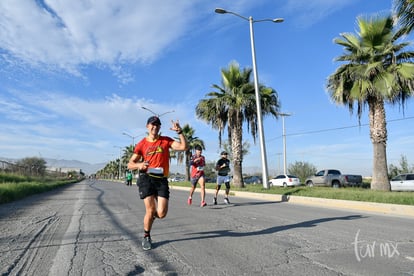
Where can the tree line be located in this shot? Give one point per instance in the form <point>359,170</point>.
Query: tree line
<point>35,167</point>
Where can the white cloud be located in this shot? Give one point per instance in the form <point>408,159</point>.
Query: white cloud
<point>13,109</point>
<point>109,114</point>
<point>69,34</point>
<point>86,128</point>
<point>308,12</point>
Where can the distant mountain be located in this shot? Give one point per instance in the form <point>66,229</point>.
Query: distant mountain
<point>87,168</point>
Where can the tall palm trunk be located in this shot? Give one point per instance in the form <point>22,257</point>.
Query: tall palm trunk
<point>378,134</point>
<point>187,165</point>
<point>236,147</point>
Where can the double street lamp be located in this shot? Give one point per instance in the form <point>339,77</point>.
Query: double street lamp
<point>129,135</point>
<point>158,115</point>
<point>256,88</point>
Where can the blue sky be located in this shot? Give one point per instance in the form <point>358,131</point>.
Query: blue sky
<point>74,76</point>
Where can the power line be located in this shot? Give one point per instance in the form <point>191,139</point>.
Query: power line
<point>337,128</point>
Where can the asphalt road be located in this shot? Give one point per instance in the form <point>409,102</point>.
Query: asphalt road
<point>95,228</point>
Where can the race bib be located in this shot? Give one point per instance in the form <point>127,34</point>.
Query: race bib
<point>158,170</point>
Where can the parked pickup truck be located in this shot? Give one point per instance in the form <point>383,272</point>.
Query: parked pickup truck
<point>333,178</point>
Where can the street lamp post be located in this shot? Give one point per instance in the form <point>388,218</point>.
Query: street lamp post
<point>278,162</point>
<point>129,135</point>
<point>284,139</point>
<point>256,89</point>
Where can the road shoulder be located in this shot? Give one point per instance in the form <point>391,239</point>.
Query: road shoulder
<point>371,207</point>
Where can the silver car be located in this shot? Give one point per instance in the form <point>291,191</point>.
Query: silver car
<point>284,180</point>
<point>403,182</point>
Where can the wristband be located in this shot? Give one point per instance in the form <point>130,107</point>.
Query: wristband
<point>179,132</point>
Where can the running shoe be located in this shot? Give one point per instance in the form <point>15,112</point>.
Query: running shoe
<point>189,201</point>
<point>226,200</point>
<point>203,203</point>
<point>146,243</point>
<point>215,201</point>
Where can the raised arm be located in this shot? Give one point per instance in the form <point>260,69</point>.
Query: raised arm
<point>181,145</point>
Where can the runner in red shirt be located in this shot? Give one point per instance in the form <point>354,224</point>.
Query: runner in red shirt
<point>152,158</point>
<point>197,175</point>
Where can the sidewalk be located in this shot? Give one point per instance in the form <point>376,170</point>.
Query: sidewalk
<point>377,208</point>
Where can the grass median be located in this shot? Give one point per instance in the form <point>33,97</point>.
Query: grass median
<point>347,193</point>
<point>15,187</point>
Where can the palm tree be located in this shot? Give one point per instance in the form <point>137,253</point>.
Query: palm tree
<point>188,132</point>
<point>245,148</point>
<point>110,170</point>
<point>404,10</point>
<point>231,105</point>
<point>128,151</point>
<point>375,71</point>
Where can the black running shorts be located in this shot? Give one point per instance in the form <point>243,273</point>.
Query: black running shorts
<point>150,185</point>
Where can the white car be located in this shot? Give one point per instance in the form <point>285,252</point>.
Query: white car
<point>403,182</point>
<point>284,180</point>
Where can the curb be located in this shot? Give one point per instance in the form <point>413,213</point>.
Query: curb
<point>372,207</point>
